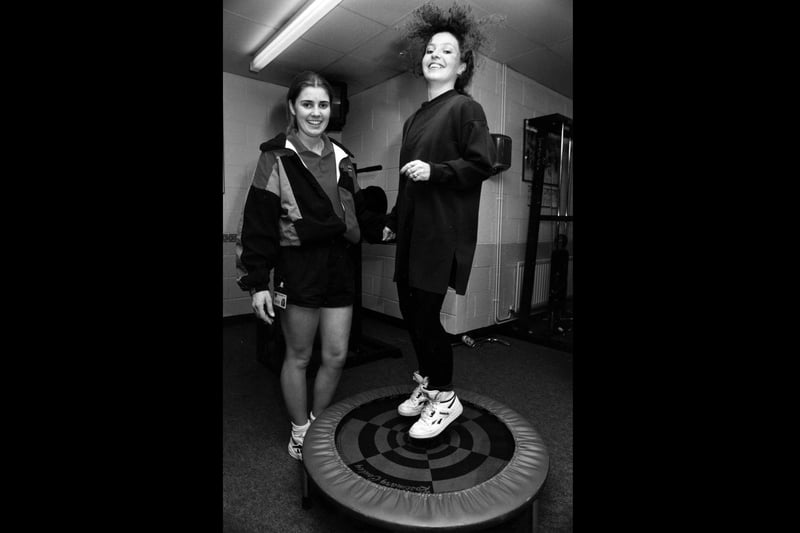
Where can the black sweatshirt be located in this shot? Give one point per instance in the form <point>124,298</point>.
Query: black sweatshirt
<point>437,221</point>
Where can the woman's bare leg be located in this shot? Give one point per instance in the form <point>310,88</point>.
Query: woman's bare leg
<point>334,329</point>
<point>299,325</point>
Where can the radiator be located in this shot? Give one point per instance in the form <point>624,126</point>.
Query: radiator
<point>541,283</point>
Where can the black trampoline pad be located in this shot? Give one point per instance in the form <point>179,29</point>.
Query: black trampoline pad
<point>482,470</point>
<point>372,440</point>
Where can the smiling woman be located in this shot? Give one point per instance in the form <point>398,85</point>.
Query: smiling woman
<point>310,96</point>
<point>458,21</point>
<point>311,111</point>
<point>445,155</point>
<point>442,64</point>
<point>301,219</point>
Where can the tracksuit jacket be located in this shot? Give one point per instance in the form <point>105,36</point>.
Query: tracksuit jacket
<point>286,206</point>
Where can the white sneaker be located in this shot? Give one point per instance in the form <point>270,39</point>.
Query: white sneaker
<point>296,447</point>
<point>437,414</point>
<point>296,438</point>
<point>413,406</point>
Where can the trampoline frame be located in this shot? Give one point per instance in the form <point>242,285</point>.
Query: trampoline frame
<point>487,504</point>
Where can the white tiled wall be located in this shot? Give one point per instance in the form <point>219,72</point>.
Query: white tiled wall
<point>254,112</point>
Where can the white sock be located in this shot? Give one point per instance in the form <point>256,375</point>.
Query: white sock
<point>300,431</point>
<point>311,416</point>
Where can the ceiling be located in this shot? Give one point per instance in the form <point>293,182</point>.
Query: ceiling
<point>357,43</point>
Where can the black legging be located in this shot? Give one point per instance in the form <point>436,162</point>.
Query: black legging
<point>420,310</point>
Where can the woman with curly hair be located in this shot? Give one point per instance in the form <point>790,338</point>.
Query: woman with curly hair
<point>446,154</point>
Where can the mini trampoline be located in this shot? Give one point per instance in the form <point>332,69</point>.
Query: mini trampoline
<point>485,469</point>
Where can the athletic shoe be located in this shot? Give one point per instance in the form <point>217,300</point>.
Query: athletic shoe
<point>414,404</point>
<point>437,414</point>
<point>296,447</point>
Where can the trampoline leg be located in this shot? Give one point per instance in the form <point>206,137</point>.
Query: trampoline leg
<point>535,516</point>
<point>305,501</point>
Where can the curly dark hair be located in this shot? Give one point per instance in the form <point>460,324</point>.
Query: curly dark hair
<point>429,19</point>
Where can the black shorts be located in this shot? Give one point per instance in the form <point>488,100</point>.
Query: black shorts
<point>316,275</point>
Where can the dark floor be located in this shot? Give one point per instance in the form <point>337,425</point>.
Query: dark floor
<point>262,484</point>
<point>548,325</point>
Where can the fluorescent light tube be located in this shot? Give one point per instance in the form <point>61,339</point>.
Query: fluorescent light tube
<point>311,13</point>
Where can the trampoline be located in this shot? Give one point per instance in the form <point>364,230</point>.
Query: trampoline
<point>485,469</point>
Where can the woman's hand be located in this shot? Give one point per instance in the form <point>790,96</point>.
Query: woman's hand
<point>417,170</point>
<point>388,235</point>
<point>262,305</point>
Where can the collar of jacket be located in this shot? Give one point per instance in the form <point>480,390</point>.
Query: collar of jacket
<point>281,142</point>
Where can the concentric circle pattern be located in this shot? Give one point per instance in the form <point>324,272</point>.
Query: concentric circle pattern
<point>372,440</point>
<point>479,472</point>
